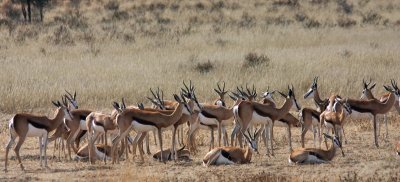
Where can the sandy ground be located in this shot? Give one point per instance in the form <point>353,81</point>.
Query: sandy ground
<point>363,161</point>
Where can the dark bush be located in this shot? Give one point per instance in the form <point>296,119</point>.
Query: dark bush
<point>346,22</point>
<point>253,60</point>
<point>204,67</point>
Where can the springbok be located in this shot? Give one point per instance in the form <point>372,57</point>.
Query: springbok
<point>102,152</point>
<point>315,156</point>
<point>221,93</point>
<point>322,105</point>
<point>145,121</point>
<point>249,112</point>
<point>336,118</point>
<point>24,125</point>
<point>375,107</point>
<point>232,155</point>
<point>367,94</point>
<point>182,154</point>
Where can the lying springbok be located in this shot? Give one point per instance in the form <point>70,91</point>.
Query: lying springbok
<point>102,152</point>
<point>24,125</point>
<point>315,156</point>
<point>182,154</point>
<point>232,155</point>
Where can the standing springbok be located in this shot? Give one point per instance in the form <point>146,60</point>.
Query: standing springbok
<point>221,93</point>
<point>367,94</point>
<point>375,107</point>
<point>336,118</point>
<point>315,156</point>
<point>98,124</point>
<point>287,121</point>
<point>24,125</point>
<point>248,112</point>
<point>211,115</point>
<point>232,155</point>
<point>322,105</point>
<point>144,121</point>
<point>185,118</point>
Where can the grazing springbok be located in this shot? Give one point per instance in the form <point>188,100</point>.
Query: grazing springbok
<point>24,125</point>
<point>145,121</point>
<point>315,156</point>
<point>232,155</point>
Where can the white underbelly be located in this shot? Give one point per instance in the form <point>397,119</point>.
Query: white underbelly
<point>142,127</point>
<point>313,159</point>
<point>100,155</point>
<point>328,125</point>
<point>223,161</point>
<point>97,128</point>
<point>82,124</point>
<point>36,132</point>
<point>257,119</point>
<point>207,121</point>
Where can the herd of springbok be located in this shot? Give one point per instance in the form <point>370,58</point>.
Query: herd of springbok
<point>252,119</point>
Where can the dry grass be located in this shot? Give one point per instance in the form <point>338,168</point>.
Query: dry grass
<point>106,50</point>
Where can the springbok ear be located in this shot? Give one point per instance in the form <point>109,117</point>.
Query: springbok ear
<point>388,88</point>
<point>176,97</point>
<point>232,97</point>
<point>55,103</point>
<point>183,98</point>
<point>117,107</point>
<point>123,106</point>
<point>282,94</point>
<point>373,86</point>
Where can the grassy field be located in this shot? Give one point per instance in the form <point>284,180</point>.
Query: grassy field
<point>106,50</point>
